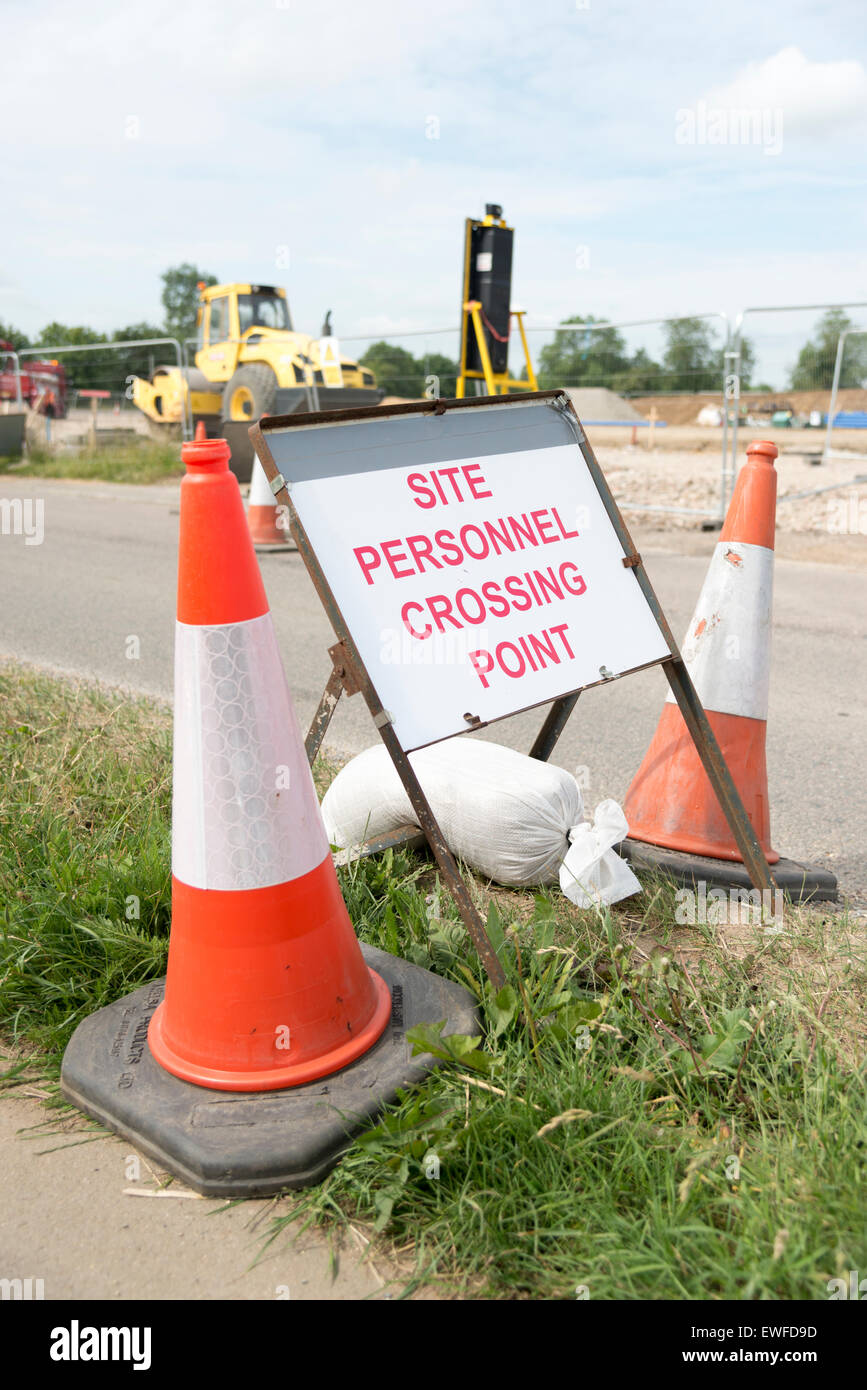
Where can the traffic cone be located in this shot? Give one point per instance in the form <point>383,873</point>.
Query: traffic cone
<point>727,651</point>
<point>275,1036</point>
<point>670,803</point>
<point>263,513</point>
<point>266,984</point>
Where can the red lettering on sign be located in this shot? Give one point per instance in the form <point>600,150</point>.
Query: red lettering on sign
<point>567,535</point>
<point>580,586</point>
<point>562,629</point>
<point>416,484</point>
<point>421,549</point>
<point>542,526</point>
<point>483,663</point>
<point>449,545</point>
<point>477,607</point>
<point>373,563</point>
<point>427,491</point>
<point>539,651</point>
<point>440,608</point>
<point>468,470</point>
<point>387,547</point>
<point>497,605</point>
<point>405,611</point>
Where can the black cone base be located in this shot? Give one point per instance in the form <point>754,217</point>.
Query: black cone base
<point>798,882</point>
<point>247,1144</point>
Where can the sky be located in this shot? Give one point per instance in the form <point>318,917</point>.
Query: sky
<point>336,148</point>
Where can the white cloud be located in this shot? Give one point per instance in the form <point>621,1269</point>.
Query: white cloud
<point>284,131</point>
<point>814,97</point>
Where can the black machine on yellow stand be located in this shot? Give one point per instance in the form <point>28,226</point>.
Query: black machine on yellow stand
<point>486,309</point>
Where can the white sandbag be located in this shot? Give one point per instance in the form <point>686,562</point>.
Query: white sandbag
<point>592,873</point>
<point>507,815</point>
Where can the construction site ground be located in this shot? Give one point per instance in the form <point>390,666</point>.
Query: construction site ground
<point>684,470</point>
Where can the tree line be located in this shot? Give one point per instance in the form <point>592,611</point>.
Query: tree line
<point>109,370</point>
<point>691,359</point>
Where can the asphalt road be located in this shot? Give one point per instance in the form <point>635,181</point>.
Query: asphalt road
<point>105,572</point>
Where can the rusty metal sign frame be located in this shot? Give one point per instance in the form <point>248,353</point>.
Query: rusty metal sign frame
<point>350,675</point>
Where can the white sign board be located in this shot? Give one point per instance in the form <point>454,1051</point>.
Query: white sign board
<point>479,586</point>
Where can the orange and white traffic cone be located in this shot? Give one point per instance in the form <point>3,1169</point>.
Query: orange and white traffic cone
<point>266,983</point>
<point>268,990</point>
<point>263,513</point>
<point>670,803</point>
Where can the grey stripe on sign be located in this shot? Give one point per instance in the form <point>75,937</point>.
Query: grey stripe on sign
<point>310,452</point>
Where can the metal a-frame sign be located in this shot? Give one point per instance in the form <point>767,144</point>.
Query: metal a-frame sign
<point>473,564</point>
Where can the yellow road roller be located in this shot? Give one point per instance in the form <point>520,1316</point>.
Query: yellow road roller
<point>251,362</point>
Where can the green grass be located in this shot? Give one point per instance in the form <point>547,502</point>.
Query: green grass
<point>84,852</point>
<point>145,461</point>
<point>648,1111</point>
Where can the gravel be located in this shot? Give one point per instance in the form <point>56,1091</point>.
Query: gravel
<point>681,478</point>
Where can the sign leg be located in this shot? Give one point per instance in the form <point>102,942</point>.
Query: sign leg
<point>555,722</point>
<point>718,773</point>
<point>444,857</point>
<point>322,717</point>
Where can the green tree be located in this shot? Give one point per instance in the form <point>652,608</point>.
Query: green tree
<point>143,329</point>
<point>642,376</point>
<point>180,298</point>
<point>444,368</point>
<point>396,370</point>
<point>814,369</point>
<point>582,358</point>
<point>691,359</point>
<point>746,368</point>
<point>13,336</point>
<point>139,361</point>
<point>84,370</point>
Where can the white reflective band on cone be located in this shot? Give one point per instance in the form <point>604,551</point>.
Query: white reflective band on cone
<point>244,809</point>
<point>260,491</point>
<point>728,646</point>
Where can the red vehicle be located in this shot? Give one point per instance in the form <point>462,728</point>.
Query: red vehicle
<point>43,384</point>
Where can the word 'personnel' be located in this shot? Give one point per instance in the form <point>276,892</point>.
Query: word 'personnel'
<point>412,554</point>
